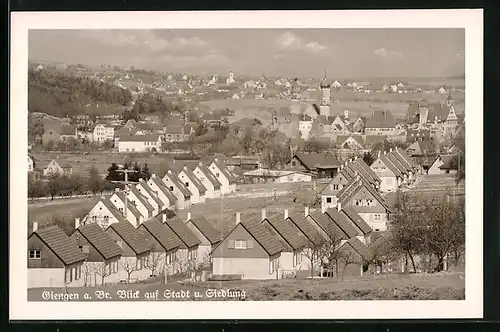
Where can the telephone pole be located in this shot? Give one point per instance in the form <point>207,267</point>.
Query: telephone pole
<point>126,171</point>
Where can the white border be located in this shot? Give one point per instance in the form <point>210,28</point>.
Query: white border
<point>472,307</point>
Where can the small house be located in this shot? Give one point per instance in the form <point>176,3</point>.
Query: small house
<point>444,164</point>
<point>151,196</point>
<point>160,188</point>
<point>224,176</point>
<point>54,260</point>
<point>212,185</point>
<point>179,189</point>
<point>197,189</point>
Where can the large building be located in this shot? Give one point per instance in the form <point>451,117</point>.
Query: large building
<point>325,86</point>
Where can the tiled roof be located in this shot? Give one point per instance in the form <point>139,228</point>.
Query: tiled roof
<point>342,221</point>
<point>312,160</point>
<point>216,183</point>
<point>397,163</point>
<point>134,239</point>
<point>306,228</point>
<point>379,244</point>
<point>288,231</point>
<point>163,188</point>
<point>169,213</point>
<point>381,119</point>
<point>201,188</point>
<point>205,228</point>
<point>371,140</point>
<point>357,220</point>
<point>101,241</point>
<point>360,248</point>
<point>329,226</point>
<point>183,232</point>
<point>353,187</point>
<point>143,185</point>
<point>142,198</point>
<point>387,162</point>
<point>162,233</point>
<point>60,244</point>
<point>139,138</point>
<point>400,152</point>
<point>259,232</point>
<point>371,174</point>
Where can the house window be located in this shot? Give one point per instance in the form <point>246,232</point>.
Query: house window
<point>369,202</point>
<point>106,218</point>
<point>77,272</point>
<point>171,188</point>
<point>94,218</point>
<point>187,184</point>
<point>335,187</point>
<point>217,174</point>
<point>85,249</point>
<point>294,163</point>
<point>377,217</point>
<point>170,258</point>
<point>357,202</point>
<point>328,199</point>
<point>35,254</point>
<point>240,244</point>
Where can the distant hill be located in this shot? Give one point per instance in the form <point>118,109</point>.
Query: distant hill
<point>60,94</point>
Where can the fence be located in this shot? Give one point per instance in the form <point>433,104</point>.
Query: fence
<point>35,199</point>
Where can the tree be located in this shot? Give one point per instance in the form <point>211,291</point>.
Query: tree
<point>154,262</point>
<point>36,188</point>
<point>95,182</point>
<point>129,265</point>
<point>88,270</point>
<point>103,269</point>
<point>66,224</point>
<point>328,252</point>
<point>113,174</point>
<point>368,158</point>
<point>77,184</point>
<point>54,186</point>
<point>134,176</point>
<point>145,172</point>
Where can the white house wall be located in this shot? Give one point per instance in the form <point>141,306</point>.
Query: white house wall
<point>248,268</point>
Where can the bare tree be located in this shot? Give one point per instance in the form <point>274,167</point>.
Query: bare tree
<point>328,252</point>
<point>129,265</point>
<point>154,261</point>
<point>311,252</point>
<point>102,269</point>
<point>346,257</point>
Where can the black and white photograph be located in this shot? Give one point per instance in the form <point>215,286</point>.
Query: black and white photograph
<point>274,168</point>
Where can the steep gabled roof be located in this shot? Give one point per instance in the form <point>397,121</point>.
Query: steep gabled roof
<point>406,157</point>
<point>162,233</point>
<point>343,222</point>
<point>142,198</point>
<point>228,175</point>
<point>448,162</point>
<point>130,206</point>
<point>259,232</point>
<point>312,160</point>
<point>215,182</point>
<point>201,188</point>
<point>305,226</point>
<point>163,188</point>
<point>101,241</point>
<point>132,237</point>
<point>114,211</point>
<point>207,229</point>
<point>329,226</point>
<point>390,165</point>
<point>357,220</point>
<point>353,187</point>
<point>178,183</point>
<point>188,238</point>
<point>288,231</point>
<point>362,165</point>
<point>143,184</point>
<point>61,245</point>
<point>397,163</point>
<point>359,247</point>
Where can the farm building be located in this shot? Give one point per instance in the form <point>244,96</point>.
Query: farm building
<point>277,176</point>
<point>444,164</point>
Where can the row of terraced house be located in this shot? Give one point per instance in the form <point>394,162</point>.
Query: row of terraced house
<point>109,246</point>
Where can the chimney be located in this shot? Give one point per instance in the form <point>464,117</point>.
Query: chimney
<point>238,217</point>
<point>164,217</point>
<point>200,164</point>
<point>35,226</point>
<point>390,150</point>
<point>153,175</point>
<point>379,153</point>
<point>141,219</point>
<point>339,206</point>
<point>216,160</point>
<point>117,190</point>
<point>355,157</point>
<point>188,216</point>
<point>286,213</point>
<point>385,152</point>
<point>141,180</point>
<point>185,168</point>
<point>263,214</point>
<point>306,211</point>
<point>77,223</point>
<point>169,172</point>
<point>341,166</point>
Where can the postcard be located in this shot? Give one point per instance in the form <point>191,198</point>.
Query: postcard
<point>246,165</point>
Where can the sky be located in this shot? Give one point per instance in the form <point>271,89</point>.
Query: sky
<point>343,53</point>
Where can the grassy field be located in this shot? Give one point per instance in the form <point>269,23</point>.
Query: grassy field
<point>44,211</point>
<point>438,286</point>
<point>82,162</point>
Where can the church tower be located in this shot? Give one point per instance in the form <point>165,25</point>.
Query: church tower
<point>449,101</point>
<point>325,86</point>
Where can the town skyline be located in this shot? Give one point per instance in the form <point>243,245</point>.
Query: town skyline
<point>343,53</point>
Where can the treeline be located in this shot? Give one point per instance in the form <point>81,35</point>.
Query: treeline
<point>68,185</point>
<point>62,95</point>
<point>150,104</point>
<point>139,172</point>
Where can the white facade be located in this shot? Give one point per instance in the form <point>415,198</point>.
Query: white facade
<point>248,268</point>
<point>138,204</point>
<point>226,187</point>
<point>196,195</point>
<point>101,215</point>
<point>305,129</point>
<point>145,193</point>
<point>120,205</point>
<point>211,192</point>
<point>141,143</point>
<point>182,203</point>
<point>102,133</point>
<point>30,164</point>
<point>50,277</point>
<point>165,199</point>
